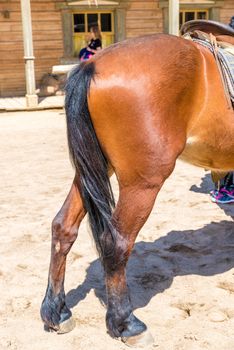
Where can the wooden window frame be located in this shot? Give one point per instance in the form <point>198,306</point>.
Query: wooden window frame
<point>77,35</point>
<point>98,12</point>
<point>67,9</point>
<point>195,11</point>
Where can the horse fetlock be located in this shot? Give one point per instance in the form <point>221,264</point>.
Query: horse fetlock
<point>127,328</point>
<point>54,312</point>
<point>124,328</point>
<point>115,324</point>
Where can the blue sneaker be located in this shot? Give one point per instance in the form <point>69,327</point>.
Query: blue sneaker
<point>223,196</point>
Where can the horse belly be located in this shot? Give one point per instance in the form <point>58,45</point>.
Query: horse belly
<point>207,155</point>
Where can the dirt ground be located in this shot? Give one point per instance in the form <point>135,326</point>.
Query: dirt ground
<point>180,274</point>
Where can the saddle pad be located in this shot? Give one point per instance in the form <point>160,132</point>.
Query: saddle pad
<point>227,64</point>
<point>226,59</point>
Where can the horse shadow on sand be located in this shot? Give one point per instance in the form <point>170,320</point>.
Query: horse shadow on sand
<point>153,265</point>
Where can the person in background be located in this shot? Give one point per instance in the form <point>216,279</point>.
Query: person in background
<point>231,24</point>
<point>94,45</point>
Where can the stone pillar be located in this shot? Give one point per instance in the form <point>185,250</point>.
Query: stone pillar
<point>174,17</point>
<point>31,97</point>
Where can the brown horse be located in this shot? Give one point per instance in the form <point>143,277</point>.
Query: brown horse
<point>133,109</point>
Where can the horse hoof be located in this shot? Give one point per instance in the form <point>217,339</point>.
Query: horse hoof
<point>66,326</point>
<point>139,341</point>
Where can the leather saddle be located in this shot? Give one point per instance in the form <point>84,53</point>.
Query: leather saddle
<point>219,39</point>
<point>207,26</point>
<point>197,29</point>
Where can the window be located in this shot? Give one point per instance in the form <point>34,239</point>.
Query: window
<point>189,15</point>
<point>92,20</point>
<point>79,23</point>
<point>106,22</point>
<point>83,21</point>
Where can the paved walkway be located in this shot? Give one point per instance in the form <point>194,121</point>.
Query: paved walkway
<point>19,103</point>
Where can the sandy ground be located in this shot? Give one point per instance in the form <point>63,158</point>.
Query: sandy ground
<point>180,274</point>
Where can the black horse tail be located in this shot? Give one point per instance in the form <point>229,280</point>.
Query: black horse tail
<point>88,159</point>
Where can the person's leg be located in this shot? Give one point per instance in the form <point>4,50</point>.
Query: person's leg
<point>224,193</point>
<point>228,180</point>
<point>82,52</point>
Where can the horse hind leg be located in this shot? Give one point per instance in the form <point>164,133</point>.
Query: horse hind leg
<point>133,208</point>
<point>54,311</point>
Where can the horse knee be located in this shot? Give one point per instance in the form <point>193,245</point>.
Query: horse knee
<point>63,233</point>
